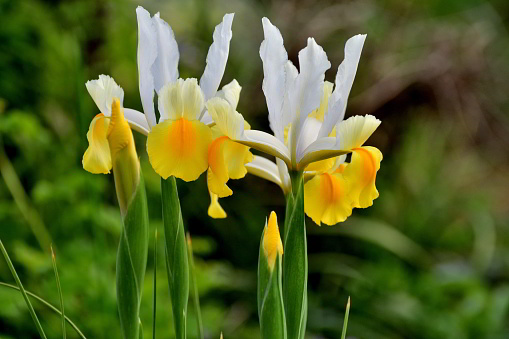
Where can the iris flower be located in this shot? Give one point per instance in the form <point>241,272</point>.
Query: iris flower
<point>183,142</point>
<point>306,116</point>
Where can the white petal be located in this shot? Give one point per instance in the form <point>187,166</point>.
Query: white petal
<point>192,99</point>
<point>265,169</point>
<point>217,57</point>
<point>308,134</point>
<point>354,131</point>
<point>103,91</point>
<point>274,58</point>
<point>137,120</point>
<point>266,143</point>
<point>307,91</point>
<point>147,53</point>
<point>229,122</point>
<point>165,67</point>
<point>290,77</point>
<point>323,148</point>
<point>207,119</point>
<point>284,175</point>
<point>351,133</point>
<point>231,93</point>
<point>344,81</point>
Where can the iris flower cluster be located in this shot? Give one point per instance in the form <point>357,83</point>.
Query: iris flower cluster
<point>316,156</point>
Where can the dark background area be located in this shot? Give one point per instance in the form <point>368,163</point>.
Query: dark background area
<point>430,259</point>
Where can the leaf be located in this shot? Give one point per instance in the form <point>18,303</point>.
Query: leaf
<point>345,322</point>
<point>132,261</point>
<point>177,264</point>
<point>57,278</point>
<point>51,307</point>
<point>22,290</point>
<point>295,264</point>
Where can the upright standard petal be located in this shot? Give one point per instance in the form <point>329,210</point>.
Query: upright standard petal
<point>165,66</point>
<point>103,91</point>
<point>326,199</point>
<point>147,54</point>
<point>137,120</point>
<point>274,58</point>
<point>361,175</point>
<point>307,91</point>
<point>97,157</point>
<point>181,99</point>
<point>179,148</point>
<point>217,57</point>
<point>344,81</point>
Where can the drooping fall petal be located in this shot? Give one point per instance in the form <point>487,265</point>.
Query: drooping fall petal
<point>326,199</point>
<point>179,148</point>
<point>97,157</point>
<point>215,210</point>
<point>361,175</point>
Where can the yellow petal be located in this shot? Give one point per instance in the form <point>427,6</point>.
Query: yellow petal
<point>217,174</point>
<point>272,244</point>
<point>361,175</point>
<point>227,160</point>
<point>326,199</point>
<point>181,99</point>
<point>215,210</point>
<point>179,148</point>
<point>321,165</point>
<point>97,157</point>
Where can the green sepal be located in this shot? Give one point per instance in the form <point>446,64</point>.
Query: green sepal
<point>295,264</point>
<point>176,255</point>
<point>132,261</point>
<point>270,297</point>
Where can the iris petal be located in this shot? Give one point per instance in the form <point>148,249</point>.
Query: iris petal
<point>179,148</point>
<point>97,157</point>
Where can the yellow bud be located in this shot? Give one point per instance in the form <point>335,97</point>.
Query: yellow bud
<point>126,165</point>
<point>272,244</point>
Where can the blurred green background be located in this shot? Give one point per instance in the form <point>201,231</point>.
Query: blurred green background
<point>430,259</point>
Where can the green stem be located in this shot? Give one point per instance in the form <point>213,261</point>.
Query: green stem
<point>194,287</point>
<point>295,263</point>
<point>177,264</point>
<point>154,293</point>
<point>22,290</point>
<point>47,304</point>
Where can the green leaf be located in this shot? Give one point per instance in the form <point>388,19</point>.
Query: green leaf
<point>22,290</point>
<point>194,288</point>
<point>132,261</point>
<point>177,264</point>
<point>270,297</point>
<point>57,278</point>
<point>47,304</point>
<point>345,322</point>
<point>295,264</point>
